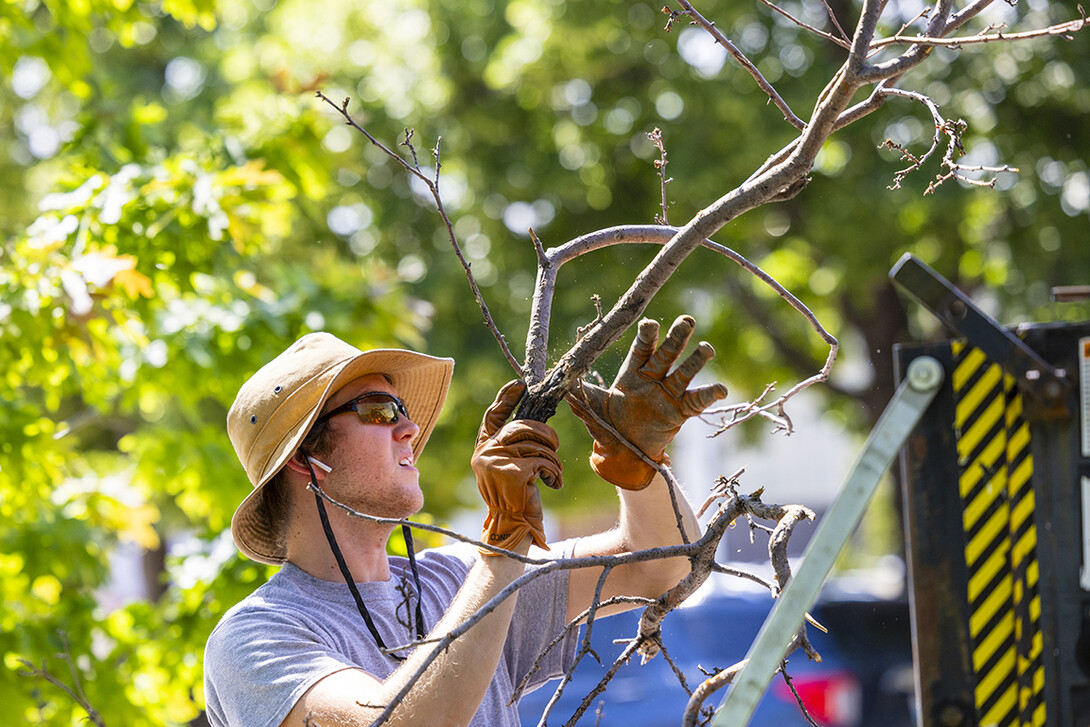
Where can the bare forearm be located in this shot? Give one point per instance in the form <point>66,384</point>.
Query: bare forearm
<point>451,689</point>
<point>647,520</point>
<point>651,518</point>
<point>641,412</point>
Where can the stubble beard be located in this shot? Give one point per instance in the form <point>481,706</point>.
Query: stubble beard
<point>394,501</point>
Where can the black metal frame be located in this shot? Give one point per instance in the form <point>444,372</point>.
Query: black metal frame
<point>1043,361</point>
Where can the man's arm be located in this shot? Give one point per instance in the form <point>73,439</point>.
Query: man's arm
<point>647,520</point>
<point>646,405</point>
<point>451,689</point>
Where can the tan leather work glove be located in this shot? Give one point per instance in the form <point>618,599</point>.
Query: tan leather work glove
<point>646,403</point>
<point>507,461</point>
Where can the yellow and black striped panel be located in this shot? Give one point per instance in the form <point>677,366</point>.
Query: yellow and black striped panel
<point>995,480</point>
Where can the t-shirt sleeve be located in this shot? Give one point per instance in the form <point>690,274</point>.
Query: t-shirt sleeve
<point>258,663</point>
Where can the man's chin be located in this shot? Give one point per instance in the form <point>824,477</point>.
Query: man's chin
<point>406,509</point>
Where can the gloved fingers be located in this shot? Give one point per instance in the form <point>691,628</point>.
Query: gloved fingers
<point>523,455</point>
<point>525,446</point>
<point>504,529</point>
<point>697,400</point>
<point>526,430</point>
<point>647,337</point>
<point>551,478</point>
<point>676,339</point>
<point>586,400</point>
<point>524,467</point>
<point>677,382</point>
<point>529,458</point>
<point>507,398</point>
<point>541,461</point>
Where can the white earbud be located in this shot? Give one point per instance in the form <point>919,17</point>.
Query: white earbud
<point>320,465</point>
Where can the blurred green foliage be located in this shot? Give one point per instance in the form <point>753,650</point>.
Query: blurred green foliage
<point>176,207</point>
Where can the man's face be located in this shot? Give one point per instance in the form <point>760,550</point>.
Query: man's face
<point>372,468</point>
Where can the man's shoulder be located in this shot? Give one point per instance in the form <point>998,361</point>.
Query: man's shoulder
<point>276,600</point>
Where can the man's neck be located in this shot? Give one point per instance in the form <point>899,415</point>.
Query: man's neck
<point>362,545</point>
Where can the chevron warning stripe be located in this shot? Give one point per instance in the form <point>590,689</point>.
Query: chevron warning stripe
<point>995,481</point>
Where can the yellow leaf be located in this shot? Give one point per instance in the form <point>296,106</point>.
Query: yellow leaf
<point>134,283</point>
<point>247,281</point>
<point>151,113</point>
<point>251,174</point>
<point>47,588</point>
<point>138,527</point>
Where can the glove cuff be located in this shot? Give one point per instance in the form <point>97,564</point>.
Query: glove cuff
<point>621,467</point>
<point>504,529</point>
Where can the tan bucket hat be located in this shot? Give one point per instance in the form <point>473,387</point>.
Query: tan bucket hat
<point>277,406</point>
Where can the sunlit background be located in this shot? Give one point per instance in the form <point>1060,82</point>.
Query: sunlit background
<point>177,206</point>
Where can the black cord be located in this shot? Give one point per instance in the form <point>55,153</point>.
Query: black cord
<point>407,534</point>
<point>347,574</point>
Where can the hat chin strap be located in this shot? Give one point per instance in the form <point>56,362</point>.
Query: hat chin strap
<point>347,574</point>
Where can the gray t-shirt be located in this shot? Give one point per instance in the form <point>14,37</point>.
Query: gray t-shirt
<point>273,646</point>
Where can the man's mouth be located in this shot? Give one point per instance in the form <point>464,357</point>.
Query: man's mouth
<point>405,461</point>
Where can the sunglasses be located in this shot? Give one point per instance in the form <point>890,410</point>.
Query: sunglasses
<point>376,407</point>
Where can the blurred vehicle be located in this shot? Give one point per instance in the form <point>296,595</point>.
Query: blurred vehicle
<point>864,678</point>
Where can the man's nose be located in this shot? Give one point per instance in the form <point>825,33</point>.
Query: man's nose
<point>406,429</point>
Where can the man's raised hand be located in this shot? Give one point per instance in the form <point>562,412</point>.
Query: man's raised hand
<point>647,404</point>
<point>508,460</point>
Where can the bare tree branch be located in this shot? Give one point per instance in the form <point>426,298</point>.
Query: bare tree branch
<point>432,183</point>
<point>1061,29</point>
<point>537,338</point>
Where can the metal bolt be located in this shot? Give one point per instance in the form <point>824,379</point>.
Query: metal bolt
<point>951,715</point>
<point>924,373</point>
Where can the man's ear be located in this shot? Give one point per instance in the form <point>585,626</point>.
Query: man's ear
<point>298,463</point>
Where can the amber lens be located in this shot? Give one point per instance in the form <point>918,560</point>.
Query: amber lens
<point>377,412</point>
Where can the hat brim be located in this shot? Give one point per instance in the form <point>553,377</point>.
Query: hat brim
<point>422,383</point>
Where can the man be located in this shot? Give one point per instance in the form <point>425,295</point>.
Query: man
<point>328,640</point>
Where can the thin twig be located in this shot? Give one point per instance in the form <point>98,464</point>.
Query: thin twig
<point>836,23</point>
<point>842,40</point>
<point>798,698</point>
<point>660,168</point>
<point>432,183</point>
<point>75,692</point>
<point>745,62</point>
<point>601,685</point>
<point>572,625</point>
